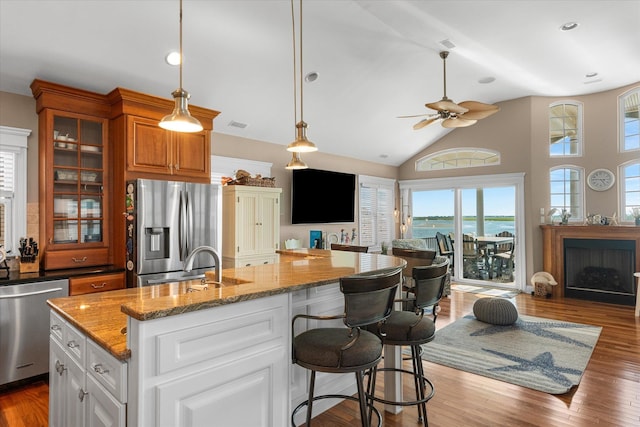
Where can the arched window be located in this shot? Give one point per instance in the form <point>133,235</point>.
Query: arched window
<point>565,129</point>
<point>565,189</point>
<point>629,121</point>
<point>629,174</point>
<point>458,158</point>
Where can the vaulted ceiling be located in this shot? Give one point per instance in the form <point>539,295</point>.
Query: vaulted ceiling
<point>376,59</point>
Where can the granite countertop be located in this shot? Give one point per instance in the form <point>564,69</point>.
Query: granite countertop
<point>14,277</point>
<point>103,316</point>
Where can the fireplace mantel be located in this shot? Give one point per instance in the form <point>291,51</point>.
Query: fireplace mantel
<point>553,245</point>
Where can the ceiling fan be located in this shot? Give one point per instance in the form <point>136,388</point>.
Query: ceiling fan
<point>454,115</point>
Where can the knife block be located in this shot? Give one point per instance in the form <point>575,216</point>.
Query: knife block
<point>30,267</point>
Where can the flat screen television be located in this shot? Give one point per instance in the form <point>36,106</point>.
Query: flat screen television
<point>319,196</point>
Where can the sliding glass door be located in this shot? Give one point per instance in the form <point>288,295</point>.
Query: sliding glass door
<point>480,217</point>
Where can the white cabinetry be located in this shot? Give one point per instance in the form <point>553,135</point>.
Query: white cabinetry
<point>223,366</point>
<point>250,225</point>
<point>79,371</point>
<point>325,300</point>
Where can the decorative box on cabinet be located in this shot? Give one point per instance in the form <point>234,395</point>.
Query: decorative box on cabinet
<point>74,176</point>
<point>96,283</point>
<point>251,225</point>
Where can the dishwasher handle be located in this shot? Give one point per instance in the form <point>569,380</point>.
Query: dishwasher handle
<point>27,294</point>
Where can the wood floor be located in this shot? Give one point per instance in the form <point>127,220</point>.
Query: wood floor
<point>608,395</point>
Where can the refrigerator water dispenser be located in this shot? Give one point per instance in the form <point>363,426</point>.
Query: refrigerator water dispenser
<point>156,242</point>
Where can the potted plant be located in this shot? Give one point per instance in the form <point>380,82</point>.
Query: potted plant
<point>565,215</point>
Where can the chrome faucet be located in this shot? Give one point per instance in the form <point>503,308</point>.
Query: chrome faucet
<point>188,263</point>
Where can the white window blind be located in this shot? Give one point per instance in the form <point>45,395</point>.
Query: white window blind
<point>376,202</point>
<point>7,194</point>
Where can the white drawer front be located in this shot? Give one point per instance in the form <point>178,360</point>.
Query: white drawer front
<point>108,371</point>
<point>56,326</point>
<point>75,343</point>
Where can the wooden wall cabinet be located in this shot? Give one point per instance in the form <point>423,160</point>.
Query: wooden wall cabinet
<point>74,176</point>
<point>251,218</point>
<point>181,156</point>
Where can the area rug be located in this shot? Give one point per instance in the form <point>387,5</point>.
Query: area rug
<point>541,354</point>
<point>484,291</point>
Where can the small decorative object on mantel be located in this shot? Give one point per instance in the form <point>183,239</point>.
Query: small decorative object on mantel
<point>597,219</point>
<point>635,213</point>
<point>564,217</point>
<point>29,255</point>
<point>244,178</point>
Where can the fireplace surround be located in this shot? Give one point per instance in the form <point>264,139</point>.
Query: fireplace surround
<point>603,261</point>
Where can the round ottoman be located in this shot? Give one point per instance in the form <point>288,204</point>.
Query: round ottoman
<point>497,311</point>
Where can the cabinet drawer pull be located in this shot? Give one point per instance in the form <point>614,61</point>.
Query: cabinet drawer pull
<point>60,367</point>
<point>81,394</point>
<point>83,259</point>
<point>55,327</point>
<point>94,286</point>
<point>98,368</point>
<point>72,344</point>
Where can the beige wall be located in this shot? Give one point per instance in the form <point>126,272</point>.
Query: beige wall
<point>520,133</point>
<point>229,146</point>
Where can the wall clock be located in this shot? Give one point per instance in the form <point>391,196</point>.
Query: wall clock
<point>601,179</point>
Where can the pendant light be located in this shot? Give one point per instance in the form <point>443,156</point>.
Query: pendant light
<point>301,144</point>
<point>296,162</point>
<point>180,120</point>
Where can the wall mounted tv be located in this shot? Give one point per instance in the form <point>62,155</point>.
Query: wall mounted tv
<point>319,196</point>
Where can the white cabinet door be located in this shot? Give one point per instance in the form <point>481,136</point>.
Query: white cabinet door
<point>103,410</point>
<point>57,383</point>
<point>75,393</point>
<point>269,228</point>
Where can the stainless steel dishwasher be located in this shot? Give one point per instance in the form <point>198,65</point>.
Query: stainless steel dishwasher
<point>24,327</point>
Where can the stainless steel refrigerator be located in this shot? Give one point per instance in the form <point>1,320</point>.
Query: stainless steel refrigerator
<point>166,221</point>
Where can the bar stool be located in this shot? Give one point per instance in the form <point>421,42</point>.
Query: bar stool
<point>368,300</point>
<point>412,328</point>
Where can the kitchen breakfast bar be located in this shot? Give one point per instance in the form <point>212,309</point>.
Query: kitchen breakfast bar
<point>194,353</point>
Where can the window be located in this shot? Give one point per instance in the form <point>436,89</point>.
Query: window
<point>13,186</point>
<point>565,129</point>
<point>376,203</point>
<point>629,120</point>
<point>629,189</point>
<point>458,158</point>
<point>566,184</point>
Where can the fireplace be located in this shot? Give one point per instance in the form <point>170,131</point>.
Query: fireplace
<point>601,261</point>
<point>600,270</point>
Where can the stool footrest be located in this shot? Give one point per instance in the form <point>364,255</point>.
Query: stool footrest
<point>334,396</point>
<point>403,403</point>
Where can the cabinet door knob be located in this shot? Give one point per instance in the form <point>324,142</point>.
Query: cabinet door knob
<point>81,394</point>
<point>72,344</point>
<point>55,327</point>
<point>60,367</point>
<point>99,369</point>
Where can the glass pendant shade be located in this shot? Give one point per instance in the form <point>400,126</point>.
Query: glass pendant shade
<point>301,144</point>
<point>296,162</point>
<point>180,120</point>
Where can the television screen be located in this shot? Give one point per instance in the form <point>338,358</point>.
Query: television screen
<point>319,196</point>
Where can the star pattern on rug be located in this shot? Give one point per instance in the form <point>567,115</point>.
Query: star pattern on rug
<point>541,329</point>
<point>543,362</point>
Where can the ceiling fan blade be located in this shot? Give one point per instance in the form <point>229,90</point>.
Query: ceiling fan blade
<point>410,117</point>
<point>447,105</point>
<point>457,123</point>
<point>424,122</point>
<point>478,110</point>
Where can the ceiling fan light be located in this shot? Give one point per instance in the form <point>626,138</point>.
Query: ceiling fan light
<point>296,162</point>
<point>180,120</point>
<point>302,144</point>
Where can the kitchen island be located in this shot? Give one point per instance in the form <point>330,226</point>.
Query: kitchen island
<point>178,354</point>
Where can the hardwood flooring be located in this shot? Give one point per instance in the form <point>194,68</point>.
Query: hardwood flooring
<point>608,395</point>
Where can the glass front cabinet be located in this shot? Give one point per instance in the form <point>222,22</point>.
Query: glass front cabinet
<point>74,184</point>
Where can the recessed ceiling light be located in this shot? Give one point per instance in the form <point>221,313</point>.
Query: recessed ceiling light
<point>311,77</point>
<point>590,75</point>
<point>384,156</point>
<point>173,58</point>
<point>569,26</point>
<point>487,80</point>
